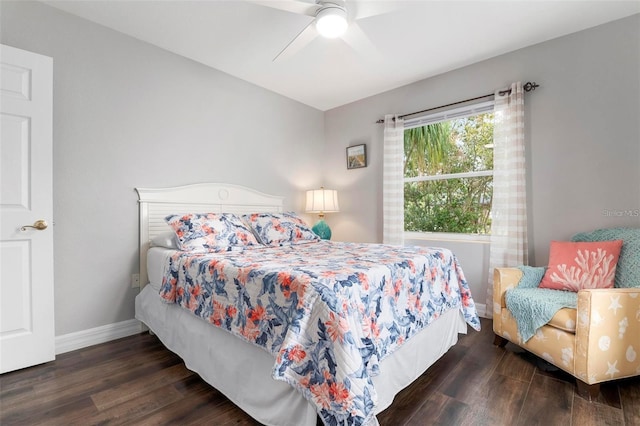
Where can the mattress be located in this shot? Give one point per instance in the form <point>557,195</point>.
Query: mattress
<point>243,372</point>
<point>157,258</point>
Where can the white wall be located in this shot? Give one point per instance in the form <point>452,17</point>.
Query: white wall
<point>582,133</point>
<point>127,114</point>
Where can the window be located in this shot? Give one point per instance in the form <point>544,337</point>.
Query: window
<point>448,171</point>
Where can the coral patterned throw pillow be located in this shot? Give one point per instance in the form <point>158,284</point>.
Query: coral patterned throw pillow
<point>576,266</point>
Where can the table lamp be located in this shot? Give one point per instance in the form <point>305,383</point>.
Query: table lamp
<point>322,201</point>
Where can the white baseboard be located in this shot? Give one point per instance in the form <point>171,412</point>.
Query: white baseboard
<point>482,310</point>
<point>93,336</point>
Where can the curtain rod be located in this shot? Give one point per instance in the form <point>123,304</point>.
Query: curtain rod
<point>528,87</point>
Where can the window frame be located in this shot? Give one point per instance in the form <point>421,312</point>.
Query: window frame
<point>456,237</point>
<point>467,110</point>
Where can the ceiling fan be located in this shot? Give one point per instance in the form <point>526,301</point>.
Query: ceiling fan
<point>331,19</point>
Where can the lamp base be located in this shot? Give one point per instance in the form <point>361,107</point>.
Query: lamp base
<point>322,230</point>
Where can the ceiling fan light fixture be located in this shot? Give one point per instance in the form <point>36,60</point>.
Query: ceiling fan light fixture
<point>331,21</point>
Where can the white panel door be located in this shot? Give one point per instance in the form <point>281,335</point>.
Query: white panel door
<point>27,334</point>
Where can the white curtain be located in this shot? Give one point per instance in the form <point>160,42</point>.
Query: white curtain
<point>393,181</point>
<point>509,206</point>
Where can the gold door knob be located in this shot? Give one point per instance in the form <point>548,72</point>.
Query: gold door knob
<point>38,224</point>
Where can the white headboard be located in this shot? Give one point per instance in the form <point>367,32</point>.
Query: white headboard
<point>157,203</point>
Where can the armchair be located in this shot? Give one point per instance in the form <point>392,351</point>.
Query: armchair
<point>596,342</point>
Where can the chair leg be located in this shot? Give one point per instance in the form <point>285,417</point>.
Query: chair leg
<point>500,341</point>
<point>588,392</point>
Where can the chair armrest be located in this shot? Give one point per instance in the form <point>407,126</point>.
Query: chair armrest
<point>503,280</point>
<point>607,334</point>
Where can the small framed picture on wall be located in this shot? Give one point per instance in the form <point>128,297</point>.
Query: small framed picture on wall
<point>356,156</point>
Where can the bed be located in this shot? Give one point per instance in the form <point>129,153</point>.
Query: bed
<point>315,361</point>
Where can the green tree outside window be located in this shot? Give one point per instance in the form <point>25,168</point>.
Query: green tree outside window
<point>459,204</point>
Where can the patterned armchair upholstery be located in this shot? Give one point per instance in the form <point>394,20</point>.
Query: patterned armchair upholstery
<point>597,342</point>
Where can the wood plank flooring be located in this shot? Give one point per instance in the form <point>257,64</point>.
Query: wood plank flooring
<point>136,381</point>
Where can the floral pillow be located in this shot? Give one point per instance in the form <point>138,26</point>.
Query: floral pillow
<point>575,266</point>
<point>211,232</point>
<point>277,229</point>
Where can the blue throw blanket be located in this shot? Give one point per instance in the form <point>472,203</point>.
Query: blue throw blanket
<point>533,307</point>
<point>628,268</point>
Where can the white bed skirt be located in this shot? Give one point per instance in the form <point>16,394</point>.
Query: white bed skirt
<point>242,371</point>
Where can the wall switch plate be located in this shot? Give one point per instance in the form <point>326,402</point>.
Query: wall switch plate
<point>135,281</point>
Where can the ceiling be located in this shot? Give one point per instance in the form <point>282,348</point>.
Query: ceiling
<point>411,41</point>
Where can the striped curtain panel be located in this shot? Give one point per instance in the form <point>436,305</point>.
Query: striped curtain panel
<point>509,207</point>
<point>393,181</point>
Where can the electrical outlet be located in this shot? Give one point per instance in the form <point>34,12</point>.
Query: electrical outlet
<point>135,281</point>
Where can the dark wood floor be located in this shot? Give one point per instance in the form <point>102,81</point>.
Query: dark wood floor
<point>135,380</point>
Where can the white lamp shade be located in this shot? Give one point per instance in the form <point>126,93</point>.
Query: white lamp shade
<point>322,201</point>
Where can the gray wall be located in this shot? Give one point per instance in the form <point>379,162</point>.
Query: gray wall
<point>127,114</point>
<point>582,135</point>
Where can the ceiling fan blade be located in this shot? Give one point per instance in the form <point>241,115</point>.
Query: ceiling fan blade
<point>358,41</point>
<point>366,9</point>
<point>293,6</point>
<point>303,38</point>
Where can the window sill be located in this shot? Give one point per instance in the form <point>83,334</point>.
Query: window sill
<point>447,236</point>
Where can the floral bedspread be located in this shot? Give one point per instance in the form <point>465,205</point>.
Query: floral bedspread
<point>327,311</point>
